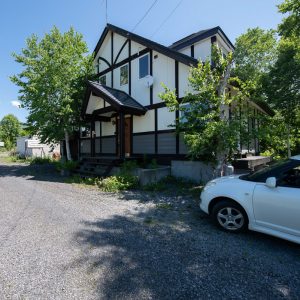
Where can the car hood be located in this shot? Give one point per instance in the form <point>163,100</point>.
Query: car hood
<point>225,178</point>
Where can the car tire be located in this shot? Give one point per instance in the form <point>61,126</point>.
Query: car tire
<point>230,216</point>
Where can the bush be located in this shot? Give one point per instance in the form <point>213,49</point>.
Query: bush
<point>128,167</point>
<point>79,180</point>
<point>118,183</point>
<point>68,165</point>
<point>40,160</point>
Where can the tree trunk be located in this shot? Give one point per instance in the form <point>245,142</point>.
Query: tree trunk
<point>288,144</point>
<point>67,145</point>
<point>221,157</point>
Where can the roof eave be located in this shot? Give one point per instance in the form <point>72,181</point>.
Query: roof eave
<point>185,59</point>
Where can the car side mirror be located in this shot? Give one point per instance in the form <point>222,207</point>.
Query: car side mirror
<point>271,182</point>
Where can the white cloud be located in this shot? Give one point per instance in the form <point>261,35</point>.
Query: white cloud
<point>16,103</point>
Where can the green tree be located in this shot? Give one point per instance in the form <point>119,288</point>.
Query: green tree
<point>52,83</point>
<point>290,25</point>
<point>282,83</point>
<point>210,133</point>
<point>254,55</point>
<point>10,129</point>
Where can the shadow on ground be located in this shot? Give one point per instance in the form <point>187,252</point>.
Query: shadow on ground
<point>170,254</point>
<point>31,172</point>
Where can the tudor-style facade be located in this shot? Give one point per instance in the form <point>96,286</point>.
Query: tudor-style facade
<point>123,110</point>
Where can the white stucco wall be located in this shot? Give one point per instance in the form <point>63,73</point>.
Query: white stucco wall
<point>186,51</point>
<point>108,128</point>
<point>105,52</point>
<point>183,74</point>
<point>117,84</point>
<point>94,103</point>
<point>144,123</point>
<point>202,49</point>
<point>163,72</point>
<point>135,47</point>
<point>223,45</point>
<point>118,43</point>
<point>139,90</point>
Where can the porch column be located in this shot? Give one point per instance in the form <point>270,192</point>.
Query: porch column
<point>92,138</point>
<point>122,134</point>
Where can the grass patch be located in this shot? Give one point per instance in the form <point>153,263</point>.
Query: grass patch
<point>76,179</point>
<point>175,186</point>
<point>118,183</point>
<point>40,160</point>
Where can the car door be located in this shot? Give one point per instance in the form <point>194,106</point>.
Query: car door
<point>279,208</point>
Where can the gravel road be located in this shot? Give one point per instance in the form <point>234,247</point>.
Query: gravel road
<point>60,241</point>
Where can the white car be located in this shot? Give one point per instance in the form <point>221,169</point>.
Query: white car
<point>267,200</point>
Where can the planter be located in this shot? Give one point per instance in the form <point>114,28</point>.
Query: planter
<point>196,171</point>
<point>149,176</point>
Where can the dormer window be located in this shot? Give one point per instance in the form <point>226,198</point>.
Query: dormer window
<point>144,66</point>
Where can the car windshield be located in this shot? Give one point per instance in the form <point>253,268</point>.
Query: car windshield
<point>274,170</point>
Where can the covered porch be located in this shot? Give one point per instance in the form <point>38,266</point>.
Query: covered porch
<point>108,117</point>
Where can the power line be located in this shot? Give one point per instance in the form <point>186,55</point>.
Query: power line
<point>167,18</point>
<point>106,14</point>
<point>144,16</point>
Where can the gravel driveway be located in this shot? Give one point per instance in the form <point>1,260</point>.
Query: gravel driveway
<point>60,241</point>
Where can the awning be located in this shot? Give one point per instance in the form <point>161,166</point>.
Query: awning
<point>119,101</point>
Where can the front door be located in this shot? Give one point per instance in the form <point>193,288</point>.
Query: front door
<point>127,136</point>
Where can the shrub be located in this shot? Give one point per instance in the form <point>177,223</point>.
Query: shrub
<point>40,160</point>
<point>118,183</point>
<point>79,180</point>
<point>68,165</point>
<point>153,164</point>
<point>128,167</point>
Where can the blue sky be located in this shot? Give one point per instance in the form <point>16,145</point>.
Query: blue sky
<point>19,19</point>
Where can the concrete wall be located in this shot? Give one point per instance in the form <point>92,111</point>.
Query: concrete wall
<point>196,171</point>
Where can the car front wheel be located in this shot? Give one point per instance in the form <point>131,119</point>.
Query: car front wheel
<point>230,216</point>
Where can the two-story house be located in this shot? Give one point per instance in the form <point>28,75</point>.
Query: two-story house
<point>124,113</point>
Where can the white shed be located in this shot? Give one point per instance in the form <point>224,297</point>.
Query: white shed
<point>32,147</point>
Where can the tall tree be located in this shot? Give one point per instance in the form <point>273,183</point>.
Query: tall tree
<point>254,55</point>
<point>290,25</point>
<point>209,131</point>
<point>282,84</point>
<point>52,83</point>
<point>10,129</point>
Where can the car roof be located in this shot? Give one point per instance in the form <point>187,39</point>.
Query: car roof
<point>297,157</point>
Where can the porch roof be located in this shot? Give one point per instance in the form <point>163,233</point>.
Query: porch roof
<point>119,101</point>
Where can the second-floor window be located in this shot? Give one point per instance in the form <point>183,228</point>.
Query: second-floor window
<point>102,80</point>
<point>144,66</point>
<point>124,75</point>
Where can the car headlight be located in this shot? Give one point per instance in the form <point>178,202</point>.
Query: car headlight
<point>209,184</point>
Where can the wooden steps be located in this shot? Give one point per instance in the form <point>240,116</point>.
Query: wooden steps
<point>96,166</point>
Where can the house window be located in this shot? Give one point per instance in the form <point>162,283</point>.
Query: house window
<point>183,113</point>
<point>144,66</point>
<point>124,75</point>
<point>102,80</point>
<point>98,65</point>
<point>85,131</point>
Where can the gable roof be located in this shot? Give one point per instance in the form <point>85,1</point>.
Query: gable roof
<point>185,59</point>
<point>119,100</point>
<point>201,35</point>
